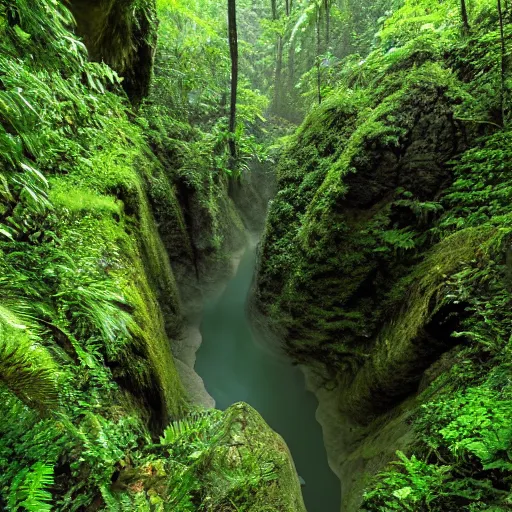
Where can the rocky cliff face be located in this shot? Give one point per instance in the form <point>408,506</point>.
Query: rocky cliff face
<point>338,231</point>
<point>362,264</point>
<point>123,35</point>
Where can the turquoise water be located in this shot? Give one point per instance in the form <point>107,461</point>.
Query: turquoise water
<point>235,368</point>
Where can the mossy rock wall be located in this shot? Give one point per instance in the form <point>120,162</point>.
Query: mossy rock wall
<point>123,35</point>
<point>190,196</point>
<point>199,225</point>
<point>249,438</point>
<point>367,275</point>
<point>326,268</point>
<point>232,461</point>
<point>109,231</point>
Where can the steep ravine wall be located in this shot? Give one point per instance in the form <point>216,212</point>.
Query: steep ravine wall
<point>355,280</point>
<point>95,406</point>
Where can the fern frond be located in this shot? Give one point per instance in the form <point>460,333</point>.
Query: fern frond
<point>26,368</point>
<point>29,489</point>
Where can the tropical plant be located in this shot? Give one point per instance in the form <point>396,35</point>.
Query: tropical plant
<point>29,489</point>
<point>26,368</point>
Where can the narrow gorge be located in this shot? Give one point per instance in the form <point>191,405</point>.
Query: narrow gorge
<point>255,256</point>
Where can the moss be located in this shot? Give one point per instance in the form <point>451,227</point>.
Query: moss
<point>82,259</point>
<point>84,201</point>
<point>172,225</point>
<point>470,391</point>
<point>407,344</point>
<point>256,444</point>
<point>325,262</point>
<point>122,34</point>
<point>120,239</point>
<point>425,289</point>
<point>385,264</point>
<point>215,460</point>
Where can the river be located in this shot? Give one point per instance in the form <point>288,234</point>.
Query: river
<point>235,368</point>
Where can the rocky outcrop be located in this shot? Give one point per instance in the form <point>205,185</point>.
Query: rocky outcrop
<point>249,437</point>
<point>123,35</point>
<point>232,461</point>
<point>349,278</point>
<point>339,229</point>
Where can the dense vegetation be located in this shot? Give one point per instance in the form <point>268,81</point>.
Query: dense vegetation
<point>387,251</point>
<point>89,299</point>
<point>385,262</point>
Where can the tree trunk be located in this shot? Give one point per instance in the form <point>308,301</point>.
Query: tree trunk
<point>279,69</point>
<point>345,7</point>
<point>233,49</point>
<point>464,14</point>
<point>318,52</point>
<point>503,64</point>
<point>287,7</point>
<point>291,66</point>
<point>276,102</point>
<point>327,8</point>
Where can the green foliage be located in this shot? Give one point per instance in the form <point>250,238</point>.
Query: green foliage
<point>198,465</point>
<point>469,441</point>
<point>472,425</point>
<point>192,33</point>
<point>481,191</point>
<point>376,281</point>
<point>463,455</point>
<point>26,368</point>
<point>28,491</point>
<point>82,264</point>
<point>399,239</point>
<point>40,110</point>
<point>190,426</point>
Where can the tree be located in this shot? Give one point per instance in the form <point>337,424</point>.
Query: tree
<point>278,94</point>
<point>233,50</point>
<point>464,14</point>
<point>327,7</point>
<point>318,52</point>
<point>503,63</point>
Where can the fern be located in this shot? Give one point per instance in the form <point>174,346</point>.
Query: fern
<point>397,239</point>
<point>29,489</point>
<point>25,367</point>
<point>195,424</point>
<point>109,498</point>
